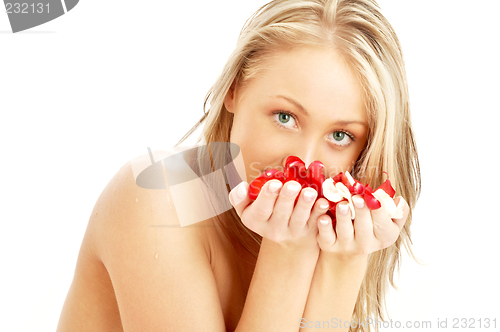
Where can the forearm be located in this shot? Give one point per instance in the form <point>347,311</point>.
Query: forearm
<point>333,294</point>
<point>279,288</point>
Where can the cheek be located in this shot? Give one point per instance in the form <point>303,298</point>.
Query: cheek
<point>257,159</point>
<point>248,126</point>
<point>251,137</point>
<point>253,134</point>
<point>348,158</point>
<point>337,166</point>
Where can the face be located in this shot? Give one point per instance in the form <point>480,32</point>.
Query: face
<point>306,103</point>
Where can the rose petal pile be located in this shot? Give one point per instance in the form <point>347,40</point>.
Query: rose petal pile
<point>295,170</point>
<point>337,189</point>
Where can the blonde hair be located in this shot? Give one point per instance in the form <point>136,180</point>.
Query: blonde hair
<point>368,43</point>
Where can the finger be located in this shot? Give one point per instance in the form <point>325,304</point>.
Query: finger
<point>320,207</point>
<point>363,225</point>
<point>302,211</point>
<point>262,208</point>
<point>284,204</point>
<point>401,203</point>
<point>386,231</point>
<point>344,228</point>
<point>239,197</point>
<point>326,236</point>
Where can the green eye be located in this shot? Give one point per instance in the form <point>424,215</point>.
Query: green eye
<point>338,136</point>
<point>284,118</point>
<point>341,138</point>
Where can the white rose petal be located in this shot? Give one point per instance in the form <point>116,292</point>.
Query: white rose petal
<point>351,206</point>
<point>399,210</point>
<point>395,212</point>
<point>349,178</point>
<point>331,192</point>
<point>342,188</point>
<point>346,194</point>
<point>337,192</point>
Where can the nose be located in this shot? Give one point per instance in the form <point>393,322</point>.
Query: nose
<point>309,157</point>
<point>307,152</point>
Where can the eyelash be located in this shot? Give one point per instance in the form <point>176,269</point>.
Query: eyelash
<point>277,113</point>
<point>279,124</point>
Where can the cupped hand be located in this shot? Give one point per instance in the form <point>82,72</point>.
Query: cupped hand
<point>274,216</point>
<point>370,231</point>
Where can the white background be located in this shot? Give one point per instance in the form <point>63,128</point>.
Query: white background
<point>83,94</point>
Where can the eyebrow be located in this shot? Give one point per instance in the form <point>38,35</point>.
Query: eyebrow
<point>303,111</point>
<point>297,104</point>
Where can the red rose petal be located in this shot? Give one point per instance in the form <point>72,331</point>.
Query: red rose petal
<point>295,171</point>
<point>331,209</point>
<point>317,184</point>
<point>371,202</point>
<point>387,187</point>
<point>278,175</point>
<point>315,176</point>
<point>341,177</point>
<point>316,168</point>
<point>295,167</point>
<point>357,189</point>
<point>269,172</point>
<point>338,177</point>
<point>256,185</point>
<point>292,159</point>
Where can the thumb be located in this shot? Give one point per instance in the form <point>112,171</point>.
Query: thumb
<point>403,205</point>
<point>239,197</point>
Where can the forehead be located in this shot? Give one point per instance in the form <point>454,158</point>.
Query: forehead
<point>318,78</point>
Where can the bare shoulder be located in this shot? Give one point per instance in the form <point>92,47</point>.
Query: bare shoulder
<point>126,208</point>
<point>160,271</point>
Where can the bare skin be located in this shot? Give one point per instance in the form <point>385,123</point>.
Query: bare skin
<point>138,270</point>
<point>118,253</point>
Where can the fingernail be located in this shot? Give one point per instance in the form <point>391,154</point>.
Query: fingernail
<point>343,208</point>
<point>293,188</point>
<point>309,195</point>
<point>242,190</point>
<point>238,194</point>
<point>401,203</point>
<point>323,221</point>
<point>324,206</point>
<point>358,202</point>
<point>274,187</point>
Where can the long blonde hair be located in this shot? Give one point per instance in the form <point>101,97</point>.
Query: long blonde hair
<point>367,41</point>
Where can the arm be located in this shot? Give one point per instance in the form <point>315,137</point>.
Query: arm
<point>343,261</point>
<point>278,291</point>
<point>333,293</point>
<point>161,276</point>
<point>288,255</point>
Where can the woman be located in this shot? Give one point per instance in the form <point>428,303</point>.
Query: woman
<point>321,80</point>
